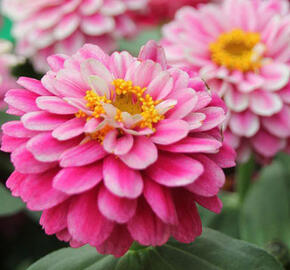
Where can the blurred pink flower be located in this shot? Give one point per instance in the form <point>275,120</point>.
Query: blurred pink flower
<point>7,61</point>
<point>45,27</point>
<point>115,148</point>
<point>241,48</point>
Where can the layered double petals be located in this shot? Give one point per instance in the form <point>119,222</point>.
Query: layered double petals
<point>107,166</point>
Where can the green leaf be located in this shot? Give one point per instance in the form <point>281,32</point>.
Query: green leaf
<point>8,204</point>
<point>5,31</point>
<point>266,212</point>
<point>133,46</point>
<point>211,251</point>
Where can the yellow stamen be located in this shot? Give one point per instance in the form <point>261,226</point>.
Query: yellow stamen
<point>101,134</point>
<point>237,50</point>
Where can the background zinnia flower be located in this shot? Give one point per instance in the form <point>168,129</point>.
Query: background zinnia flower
<point>114,149</point>
<point>45,27</point>
<point>241,48</point>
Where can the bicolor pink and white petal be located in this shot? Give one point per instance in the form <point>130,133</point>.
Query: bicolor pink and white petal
<point>241,48</point>
<point>45,27</point>
<point>115,149</point>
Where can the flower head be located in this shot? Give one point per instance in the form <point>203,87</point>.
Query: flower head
<point>114,149</point>
<point>241,48</point>
<point>46,27</point>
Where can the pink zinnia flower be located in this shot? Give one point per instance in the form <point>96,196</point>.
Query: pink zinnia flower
<point>7,61</point>
<point>115,148</point>
<point>241,48</point>
<point>46,27</point>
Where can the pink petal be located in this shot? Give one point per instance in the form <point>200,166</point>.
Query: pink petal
<point>85,222</point>
<point>24,162</point>
<point>76,180</point>
<point>16,129</point>
<point>195,120</point>
<point>153,52</point>
<point>194,145</point>
<point>265,103</point>
<point>169,131</point>
<point>161,86</point>
<point>278,124</point>
<point>244,124</point>
<point>189,226</point>
<point>9,144</point>
<point>186,101</point>
<point>54,219</point>
<point>82,154</point>
<point>225,158</point>
<point>236,100</point>
<point>175,170</point>
<point>118,146</point>
<point>213,204</point>
<point>14,182</point>
<point>38,193</point>
<point>142,154</point>
<point>70,129</point>
<point>56,61</point>
<point>118,242</point>
<point>146,228</point>
<point>33,85</point>
<point>210,182</point>
<point>22,100</point>
<point>55,105</point>
<point>180,78</point>
<point>42,121</point>
<point>119,63</point>
<point>214,117</point>
<point>115,208</point>
<point>160,200</point>
<point>97,24</point>
<point>47,149</point>
<point>121,180</point>
<point>266,144</point>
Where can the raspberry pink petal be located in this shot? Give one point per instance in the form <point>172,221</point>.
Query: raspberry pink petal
<point>67,88</point>
<point>54,219</point>
<point>160,200</point>
<point>236,101</point>
<point>70,129</point>
<point>265,103</point>
<point>55,105</point>
<point>276,76</point>
<point>33,85</point>
<point>42,121</point>
<point>82,154</point>
<point>278,124</point>
<point>225,158</point>
<point>24,161</point>
<point>170,131</point>
<point>45,148</point>
<point>76,180</point>
<point>118,242</point>
<point>273,143</point>
<point>115,208</point>
<point>118,146</point>
<point>9,144</point>
<point>38,193</point>
<point>14,182</point>
<point>213,204</point>
<point>174,170</point>
<point>186,101</point>
<point>189,226</point>
<point>153,51</point>
<point>16,129</point>
<point>214,117</point>
<point>121,180</point>
<point>212,179</point>
<point>22,100</point>
<point>244,124</point>
<point>142,154</point>
<point>195,120</point>
<point>146,228</point>
<point>194,145</point>
<point>161,86</point>
<point>92,227</point>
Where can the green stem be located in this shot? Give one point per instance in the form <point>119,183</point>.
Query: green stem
<point>244,176</point>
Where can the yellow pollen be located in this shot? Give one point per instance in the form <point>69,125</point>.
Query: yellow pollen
<point>236,50</point>
<point>125,98</point>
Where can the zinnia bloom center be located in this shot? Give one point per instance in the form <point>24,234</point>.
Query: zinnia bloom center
<point>237,50</point>
<point>125,98</point>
